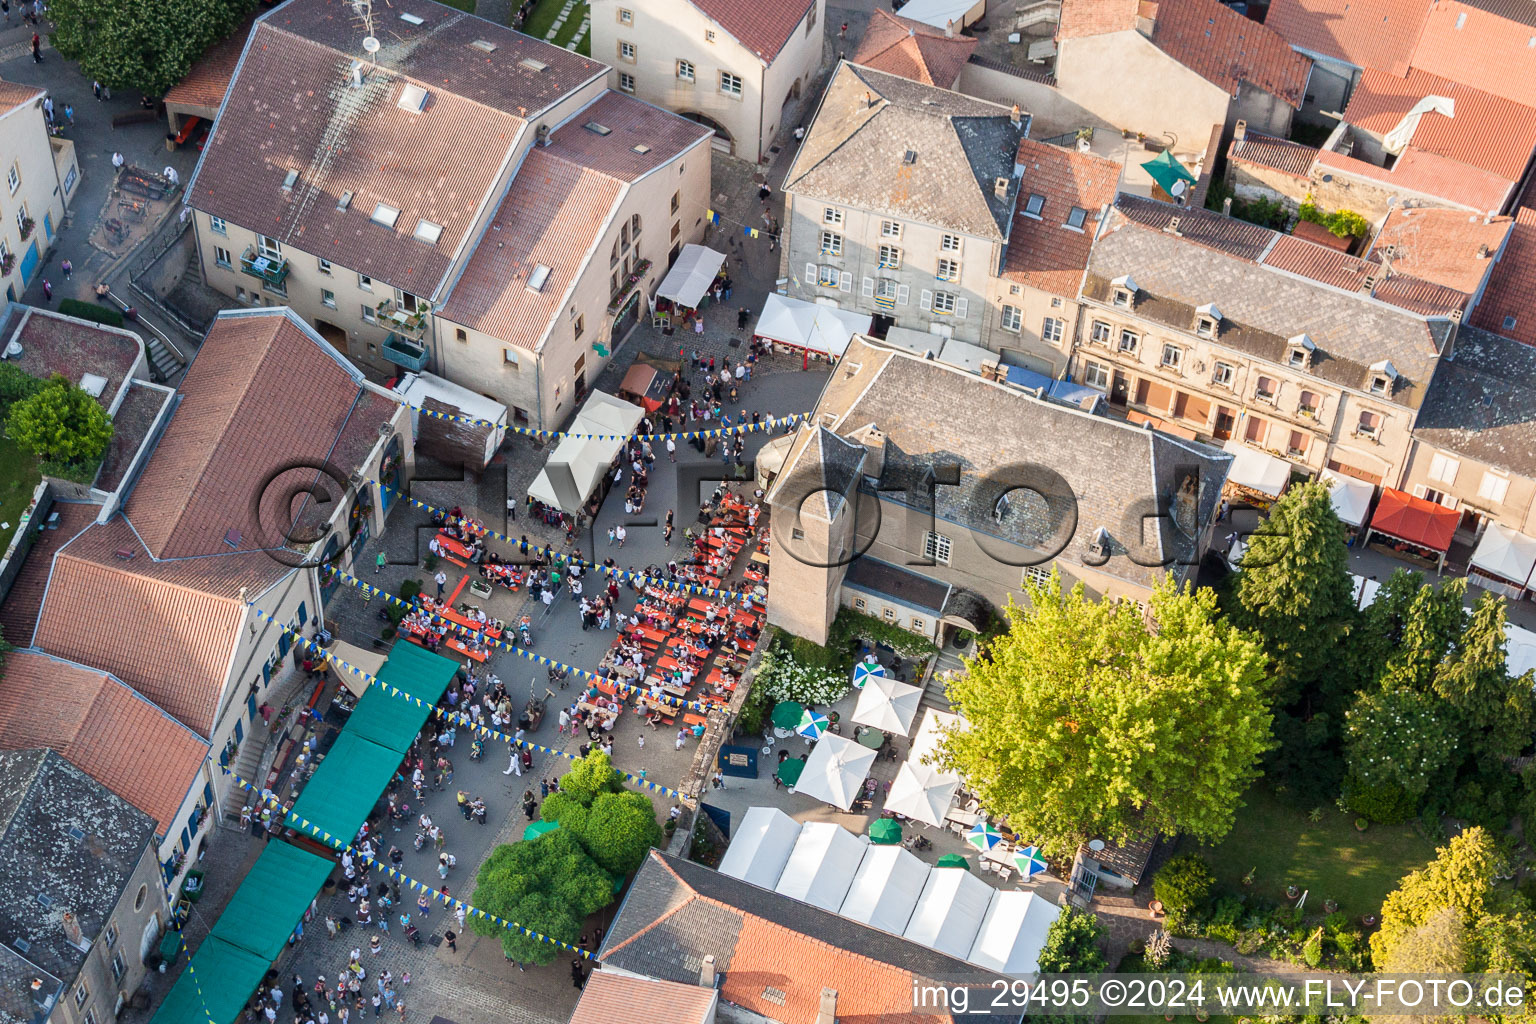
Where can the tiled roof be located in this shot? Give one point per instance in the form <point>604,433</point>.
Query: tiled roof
<point>1446,247</point>
<point>292,109</point>
<point>1488,131</point>
<point>913,49</point>
<point>1483,44</point>
<point>103,727</point>
<point>208,80</point>
<point>14,95</point>
<point>52,343</point>
<point>1420,296</point>
<point>854,152</point>
<point>1277,154</point>
<point>761,27</point>
<point>774,954</point>
<point>1227,48</point>
<point>1225,234</point>
<point>1483,402</point>
<point>630,122</point>
<point>1365,33</point>
<point>1080,18</point>
<point>612,998</point>
<point>1308,231</point>
<point>18,613</point>
<point>235,435</point>
<point>1427,174</point>
<point>1507,305</point>
<point>1044,253</point>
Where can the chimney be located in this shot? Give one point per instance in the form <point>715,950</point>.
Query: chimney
<point>1240,131</point>
<point>869,100</point>
<point>949,29</point>
<point>1016,116</point>
<point>1173,226</point>
<point>541,135</point>
<point>1000,187</point>
<point>1226,207</point>
<point>826,1013</point>
<point>1483,252</point>
<point>707,972</point>
<point>71,926</point>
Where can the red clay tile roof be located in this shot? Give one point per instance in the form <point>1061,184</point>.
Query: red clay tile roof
<point>1341,270</point>
<point>103,727</point>
<point>913,49</point>
<point>1080,18</point>
<point>1043,252</point>
<point>1488,132</point>
<point>1365,33</point>
<point>1507,307</point>
<point>612,998</point>
<point>1489,49</point>
<point>1319,235</point>
<point>209,78</point>
<point>762,27</point>
<point>291,108</point>
<point>14,95</point>
<point>1420,296</point>
<point>1276,154</point>
<point>1447,247</point>
<point>1224,47</point>
<point>236,431</point>
<point>18,614</point>
<point>59,344</point>
<point>1427,174</point>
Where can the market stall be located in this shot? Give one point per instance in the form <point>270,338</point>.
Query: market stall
<point>885,889</point>
<point>1503,562</point>
<point>689,280</point>
<point>1351,498</point>
<point>809,327</point>
<point>949,912</point>
<point>761,846</point>
<point>1255,476</point>
<point>646,386</point>
<point>822,865</point>
<point>1013,933</point>
<point>368,661</point>
<point>1413,528</point>
<point>577,467</point>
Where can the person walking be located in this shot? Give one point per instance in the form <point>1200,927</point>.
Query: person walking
<point>619,532</point>
<point>577,978</point>
<point>69,115</point>
<point>47,290</point>
<point>67,267</point>
<point>378,564</point>
<point>442,581</point>
<point>37,48</point>
<point>5,6</point>
<point>671,449</point>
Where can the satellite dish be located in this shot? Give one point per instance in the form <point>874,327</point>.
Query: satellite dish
<point>1179,187</point>
<point>1097,845</point>
<point>370,44</point>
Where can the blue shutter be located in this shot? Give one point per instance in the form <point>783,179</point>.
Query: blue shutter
<point>303,613</point>
<point>266,674</point>
<point>186,840</point>
<point>284,641</point>
<point>208,793</point>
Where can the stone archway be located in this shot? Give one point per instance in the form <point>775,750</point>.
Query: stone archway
<point>723,141</point>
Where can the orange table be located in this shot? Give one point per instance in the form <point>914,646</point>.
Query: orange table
<point>452,546</point>
<point>460,646</point>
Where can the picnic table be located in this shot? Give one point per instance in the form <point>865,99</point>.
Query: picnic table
<point>452,546</point>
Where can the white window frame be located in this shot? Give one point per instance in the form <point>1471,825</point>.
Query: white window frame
<point>365,282</point>
<point>1011,319</point>
<point>1053,329</point>
<point>730,84</point>
<point>1223,375</point>
<point>1096,375</point>
<point>1101,332</point>
<point>1039,575</point>
<point>686,71</point>
<point>626,51</point>
<point>370,315</point>
<point>626,82</point>
<point>827,276</point>
<point>885,288</point>
<point>946,270</point>
<point>832,215</point>
<point>890,229</point>
<point>1130,341</point>
<point>626,16</point>
<point>13,177</point>
<point>1173,356</point>
<point>945,302</point>
<point>327,298</point>
<point>223,257</point>
<point>831,243</point>
<point>890,257</point>
<point>218,225</point>
<point>1493,487</point>
<point>323,265</point>
<point>937,548</point>
<point>271,248</point>
<point>951,243</point>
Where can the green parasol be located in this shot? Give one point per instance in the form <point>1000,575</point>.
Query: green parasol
<point>885,831</point>
<point>789,771</point>
<point>538,828</point>
<point>786,714</point>
<point>953,860</point>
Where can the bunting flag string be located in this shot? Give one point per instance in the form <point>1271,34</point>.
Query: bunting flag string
<point>557,556</point>
<point>716,218</point>
<point>181,945</point>
<point>456,717</point>
<point>314,831</point>
<point>765,425</point>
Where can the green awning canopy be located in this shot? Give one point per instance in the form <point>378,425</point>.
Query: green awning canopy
<point>214,986</point>
<point>267,906</point>
<point>390,720</point>
<point>1167,172</point>
<point>344,789</point>
<point>538,828</point>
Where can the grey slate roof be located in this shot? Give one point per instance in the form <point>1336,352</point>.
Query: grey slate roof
<point>853,153</point>
<point>1482,402</point>
<point>43,797</point>
<point>1262,307</point>
<point>20,1003</point>
<point>898,584</point>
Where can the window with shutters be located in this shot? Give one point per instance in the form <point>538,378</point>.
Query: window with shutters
<point>1297,445</point>
<point>1265,389</point>
<point>1309,404</point>
<point>831,243</point>
<point>1013,319</point>
<point>1370,424</point>
<point>1255,430</point>
<point>1442,469</point>
<point>1052,329</point>
<point>943,302</point>
<point>827,277</point>
<point>1493,487</point>
<point>885,289</point>
<point>890,257</point>
<point>936,548</point>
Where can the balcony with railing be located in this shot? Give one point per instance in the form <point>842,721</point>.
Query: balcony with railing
<point>627,285</point>
<point>411,323</point>
<point>271,269</point>
<point>404,352</point>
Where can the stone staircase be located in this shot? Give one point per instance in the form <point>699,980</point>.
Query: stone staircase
<point>933,682</point>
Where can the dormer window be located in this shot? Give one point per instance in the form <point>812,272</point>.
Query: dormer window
<point>1383,378</point>
<point>1297,358</point>
<point>1298,352</point>
<point>1034,205</point>
<point>1207,320</point>
<point>1381,385</point>
<point>1124,291</point>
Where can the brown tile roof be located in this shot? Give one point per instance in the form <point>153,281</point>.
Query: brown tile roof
<point>1225,234</point>
<point>1043,252</point>
<point>1419,296</point>
<point>1080,18</point>
<point>1427,174</point>
<point>630,123</point>
<point>1365,33</point>
<point>1319,235</point>
<point>1447,247</point>
<point>913,49</point>
<point>761,27</point>
<point>1486,48</point>
<point>1488,132</point>
<point>1506,307</point>
<point>1276,154</point>
<point>612,998</point>
<point>1400,288</point>
<point>103,727</point>
<point>235,433</point>
<point>291,109</point>
<point>18,613</point>
<point>1227,48</point>
<point>52,343</point>
<point>14,95</point>
<point>209,78</point>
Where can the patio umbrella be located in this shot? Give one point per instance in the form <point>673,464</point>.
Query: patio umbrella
<point>983,836</point>
<point>865,670</point>
<point>812,724</point>
<point>953,860</point>
<point>1029,861</point>
<point>885,831</point>
<point>835,771</point>
<point>538,828</point>
<point>786,715</point>
<point>887,704</point>
<point>789,772</point>
<point>922,793</point>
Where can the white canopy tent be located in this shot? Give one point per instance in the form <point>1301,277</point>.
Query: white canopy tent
<point>949,912</point>
<point>887,704</point>
<point>810,325</point>
<point>940,13</point>
<point>1508,555</point>
<point>1256,471</point>
<point>369,661</point>
<point>922,793</point>
<point>930,731</point>
<point>577,465</point>
<point>885,889</point>
<point>761,846</point>
<point>964,355</point>
<point>690,277</point>
<point>1520,652</point>
<point>822,865</point>
<point>1364,590</point>
<point>835,770</point>
<point>1351,498</point>
<point>1013,932</point>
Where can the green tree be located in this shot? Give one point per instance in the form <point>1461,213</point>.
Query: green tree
<point>590,776</point>
<point>1183,884</point>
<point>1460,878</point>
<point>566,810</point>
<point>1434,621</point>
<point>620,830</point>
<point>1496,708</point>
<point>147,45</point>
<point>1072,944</point>
<point>60,423</point>
<point>1398,743</point>
<point>548,885</point>
<point>1441,945</point>
<point>1378,630</point>
<point>1085,722</point>
<point>1294,588</point>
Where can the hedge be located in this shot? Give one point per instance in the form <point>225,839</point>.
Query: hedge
<point>92,311</point>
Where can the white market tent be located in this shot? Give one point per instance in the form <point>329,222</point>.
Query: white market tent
<point>888,704</point>
<point>1506,554</point>
<point>886,888</point>
<point>1351,498</point>
<point>835,770</point>
<point>822,865</point>
<point>1364,590</point>
<point>964,355</point>
<point>939,13</point>
<point>369,661</point>
<point>761,846</point>
<point>1520,652</point>
<point>1013,932</point>
<point>809,325</point>
<point>417,388</point>
<point>578,464</point>
<point>922,793</point>
<point>949,912</point>
<point>1255,470</point>
<point>690,277</point>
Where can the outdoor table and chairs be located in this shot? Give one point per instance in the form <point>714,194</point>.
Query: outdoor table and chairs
<point>874,739</point>
<point>958,820</point>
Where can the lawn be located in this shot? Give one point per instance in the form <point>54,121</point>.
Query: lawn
<point>18,476</point>
<point>1329,858</point>
<point>467,6</point>
<point>543,18</point>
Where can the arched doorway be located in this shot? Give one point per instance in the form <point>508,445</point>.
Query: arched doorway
<point>723,140</point>
<point>390,468</point>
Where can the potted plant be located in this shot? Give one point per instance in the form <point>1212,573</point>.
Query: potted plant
<point>27,224</point>
<point>1330,906</point>
<point>7,263</point>
<point>1361,824</point>
<point>1084,139</point>
<point>1292,892</point>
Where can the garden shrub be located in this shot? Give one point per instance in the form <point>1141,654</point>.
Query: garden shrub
<point>92,311</point>
<point>1182,885</point>
<point>16,384</point>
<point>1385,803</point>
<point>1312,950</point>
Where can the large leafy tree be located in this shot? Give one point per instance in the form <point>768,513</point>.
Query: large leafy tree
<point>616,826</point>
<point>1460,878</point>
<point>1433,623</point>
<point>1087,721</point>
<point>1474,679</point>
<point>1072,944</point>
<point>147,45</point>
<point>60,423</point>
<point>1399,742</point>
<point>548,885</point>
